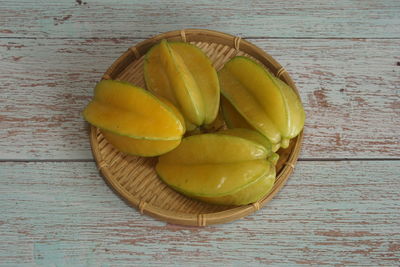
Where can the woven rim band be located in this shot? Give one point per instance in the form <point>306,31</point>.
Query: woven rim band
<point>102,165</point>
<point>183,35</point>
<point>280,72</point>
<point>135,52</point>
<point>201,220</point>
<point>142,205</point>
<point>106,77</point>
<point>256,206</point>
<point>291,165</point>
<point>236,42</point>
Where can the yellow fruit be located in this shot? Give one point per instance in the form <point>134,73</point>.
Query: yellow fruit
<point>134,120</point>
<point>267,105</point>
<point>183,74</point>
<point>295,109</point>
<point>217,124</point>
<point>174,110</point>
<point>233,118</point>
<point>249,194</point>
<point>215,149</point>
<point>250,135</point>
<point>254,136</point>
<point>140,147</point>
<point>218,168</point>
<point>210,179</point>
<point>273,158</point>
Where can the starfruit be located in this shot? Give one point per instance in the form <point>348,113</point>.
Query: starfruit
<point>134,120</point>
<point>184,75</point>
<point>266,103</point>
<point>218,168</point>
<point>255,137</point>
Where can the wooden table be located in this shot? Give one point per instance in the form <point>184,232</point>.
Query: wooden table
<point>340,207</point>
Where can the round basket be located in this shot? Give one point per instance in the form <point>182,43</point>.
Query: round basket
<point>135,179</point>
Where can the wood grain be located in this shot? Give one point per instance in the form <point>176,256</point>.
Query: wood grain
<point>143,19</point>
<point>350,90</point>
<point>335,210</point>
<point>329,213</point>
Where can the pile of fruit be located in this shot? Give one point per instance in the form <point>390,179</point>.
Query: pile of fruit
<point>227,167</point>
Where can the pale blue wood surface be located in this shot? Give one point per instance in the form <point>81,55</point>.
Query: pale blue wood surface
<point>340,208</point>
<point>329,213</point>
<point>350,90</point>
<point>110,19</point>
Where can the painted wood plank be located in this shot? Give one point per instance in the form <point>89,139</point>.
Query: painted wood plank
<point>329,213</point>
<point>350,90</point>
<point>110,19</point>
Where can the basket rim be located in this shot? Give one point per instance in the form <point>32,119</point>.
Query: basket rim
<point>203,219</point>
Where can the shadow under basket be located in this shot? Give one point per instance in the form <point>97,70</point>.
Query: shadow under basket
<point>135,178</point>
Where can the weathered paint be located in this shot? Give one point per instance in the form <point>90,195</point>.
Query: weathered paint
<point>343,55</point>
<point>125,18</point>
<point>350,90</point>
<point>330,212</point>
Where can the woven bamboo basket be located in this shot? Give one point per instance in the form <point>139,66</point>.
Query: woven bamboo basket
<point>134,178</point>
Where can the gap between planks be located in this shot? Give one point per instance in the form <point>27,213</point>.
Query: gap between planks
<point>300,159</point>
<point>244,37</point>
